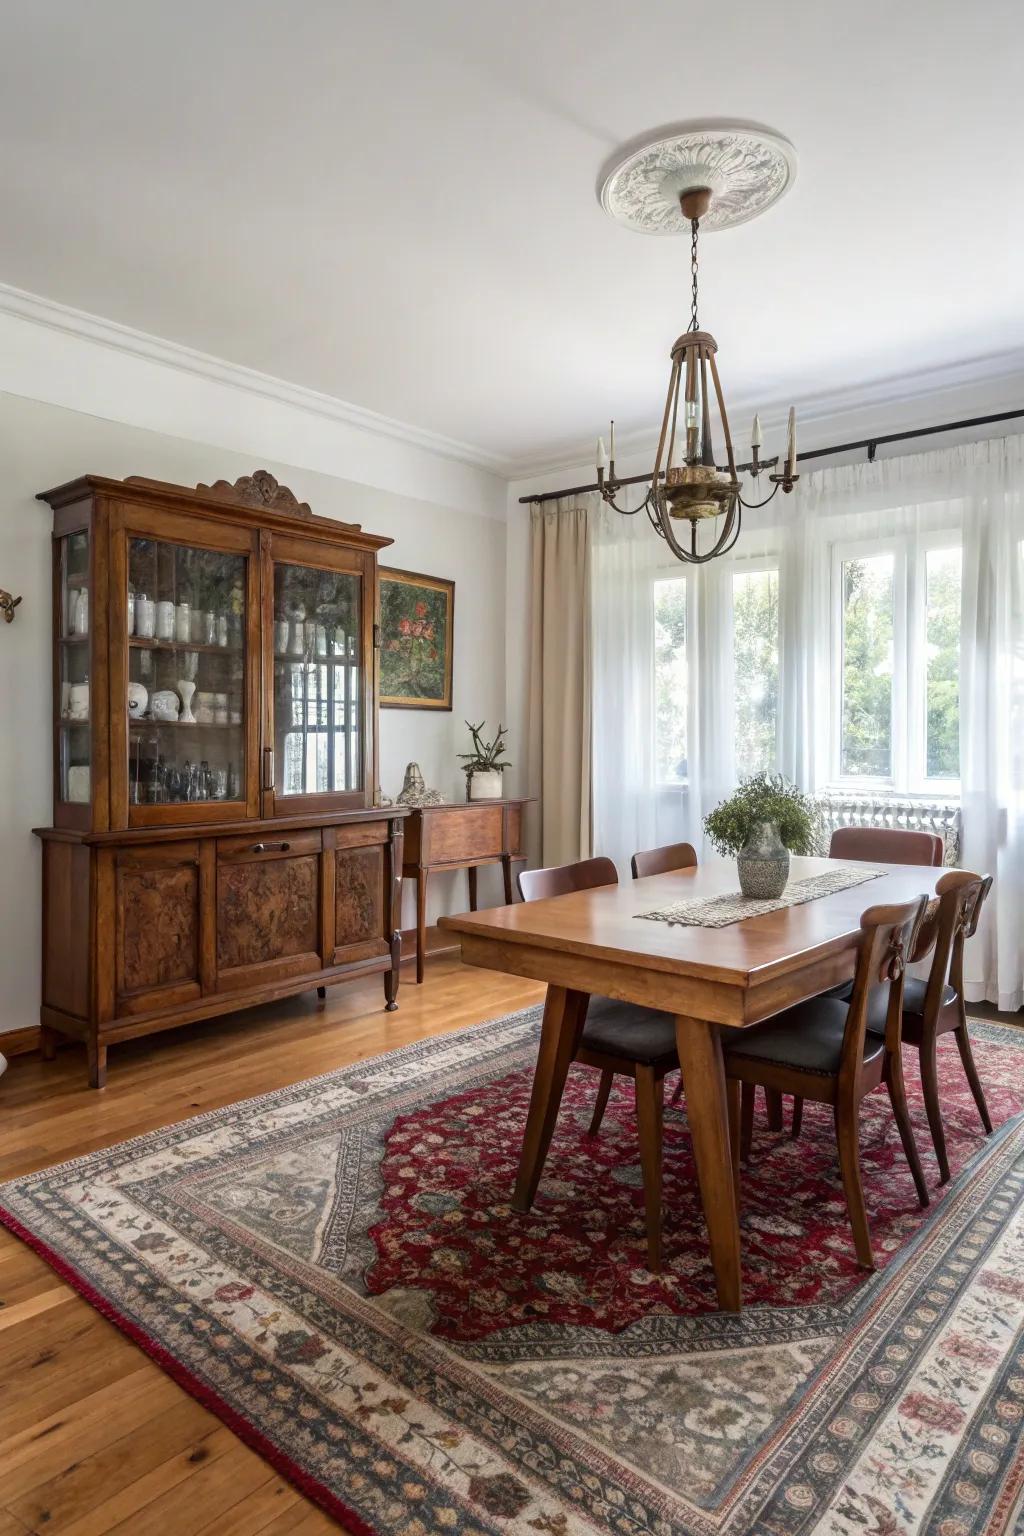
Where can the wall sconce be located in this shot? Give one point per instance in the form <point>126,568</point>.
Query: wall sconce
<point>8,605</point>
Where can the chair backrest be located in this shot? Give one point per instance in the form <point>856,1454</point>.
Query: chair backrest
<point>560,879</point>
<point>961,897</point>
<point>887,942</point>
<point>889,845</point>
<point>661,861</point>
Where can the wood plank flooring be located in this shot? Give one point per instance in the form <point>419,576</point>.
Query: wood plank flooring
<point>94,1438</point>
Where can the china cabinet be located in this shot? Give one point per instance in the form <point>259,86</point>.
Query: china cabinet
<point>215,841</point>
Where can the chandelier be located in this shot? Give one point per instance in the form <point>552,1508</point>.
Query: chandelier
<point>720,177</point>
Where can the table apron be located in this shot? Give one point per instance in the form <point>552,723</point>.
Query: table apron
<point>720,1002</point>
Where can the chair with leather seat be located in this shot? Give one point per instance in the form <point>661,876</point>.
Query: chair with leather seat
<point>620,1039</point>
<point>887,845</point>
<point>662,861</point>
<point>877,845</point>
<point>936,1007</point>
<point>822,1050</point>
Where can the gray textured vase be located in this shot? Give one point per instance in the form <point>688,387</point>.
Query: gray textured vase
<point>763,862</point>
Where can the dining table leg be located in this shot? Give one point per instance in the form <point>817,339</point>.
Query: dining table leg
<point>565,1013</point>
<point>707,1110</point>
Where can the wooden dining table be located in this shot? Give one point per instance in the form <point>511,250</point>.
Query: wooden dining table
<point>711,979</point>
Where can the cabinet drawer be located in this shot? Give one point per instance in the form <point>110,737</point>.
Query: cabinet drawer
<point>288,845</point>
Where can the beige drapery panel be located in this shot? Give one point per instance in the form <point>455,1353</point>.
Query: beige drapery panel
<point>559,715</point>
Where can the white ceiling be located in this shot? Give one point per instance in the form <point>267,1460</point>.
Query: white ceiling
<point>394,202</point>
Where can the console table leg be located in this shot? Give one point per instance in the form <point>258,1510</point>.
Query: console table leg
<point>506,872</point>
<point>421,922</point>
<point>321,993</point>
<point>471,873</point>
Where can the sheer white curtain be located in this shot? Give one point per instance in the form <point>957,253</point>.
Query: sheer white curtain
<point>971,496</point>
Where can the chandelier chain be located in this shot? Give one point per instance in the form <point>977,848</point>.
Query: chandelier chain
<point>694,227</point>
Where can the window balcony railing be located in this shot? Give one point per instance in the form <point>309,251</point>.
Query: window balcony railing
<point>919,815</point>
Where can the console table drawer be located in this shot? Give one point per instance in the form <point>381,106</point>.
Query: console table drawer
<point>465,832</point>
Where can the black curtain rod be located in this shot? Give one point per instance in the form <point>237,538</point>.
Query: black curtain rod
<point>870,443</point>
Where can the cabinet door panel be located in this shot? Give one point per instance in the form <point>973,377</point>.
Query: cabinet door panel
<point>268,919</point>
<point>359,903</point>
<point>156,942</point>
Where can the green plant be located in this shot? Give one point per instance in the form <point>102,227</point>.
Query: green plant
<point>763,797</point>
<point>486,756</point>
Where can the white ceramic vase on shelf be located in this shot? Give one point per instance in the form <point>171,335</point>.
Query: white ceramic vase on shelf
<point>186,690</point>
<point>485,784</point>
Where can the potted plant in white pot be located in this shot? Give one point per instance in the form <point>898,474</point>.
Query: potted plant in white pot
<point>764,821</point>
<point>483,766</point>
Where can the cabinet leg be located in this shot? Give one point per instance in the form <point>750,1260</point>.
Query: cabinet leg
<point>48,1042</point>
<point>471,873</point>
<point>421,923</point>
<point>321,993</point>
<point>391,978</point>
<point>97,1055</point>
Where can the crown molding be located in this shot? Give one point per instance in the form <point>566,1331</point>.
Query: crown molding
<point>994,382</point>
<point>20,304</point>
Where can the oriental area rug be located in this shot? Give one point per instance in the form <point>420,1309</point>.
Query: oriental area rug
<point>335,1269</point>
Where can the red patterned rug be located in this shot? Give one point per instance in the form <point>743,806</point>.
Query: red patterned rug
<point>336,1270</point>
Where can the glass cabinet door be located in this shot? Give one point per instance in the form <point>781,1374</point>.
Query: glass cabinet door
<point>186,683</point>
<point>74,724</point>
<point>318,705</point>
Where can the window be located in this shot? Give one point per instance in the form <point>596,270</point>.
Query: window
<point>896,664</point>
<point>755,629</point>
<point>867,662</point>
<point>671,683</point>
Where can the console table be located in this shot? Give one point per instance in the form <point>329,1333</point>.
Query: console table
<point>460,837</point>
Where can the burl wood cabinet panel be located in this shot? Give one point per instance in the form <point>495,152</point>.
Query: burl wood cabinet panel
<point>359,897</point>
<point>156,943</point>
<point>268,912</point>
<point>199,865</point>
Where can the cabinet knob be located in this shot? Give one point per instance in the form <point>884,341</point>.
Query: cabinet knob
<point>270,848</point>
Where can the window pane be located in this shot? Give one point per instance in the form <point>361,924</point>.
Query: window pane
<point>942,652</point>
<point>867,662</point>
<point>317,675</point>
<point>755,619</point>
<point>670,679</point>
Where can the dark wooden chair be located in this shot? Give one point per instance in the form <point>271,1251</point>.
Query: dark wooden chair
<point>620,1039</point>
<point>936,1007</point>
<point>882,845</point>
<point>823,1050</point>
<point>662,861</point>
<point>886,845</point>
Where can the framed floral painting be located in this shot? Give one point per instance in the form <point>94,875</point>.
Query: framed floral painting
<point>416,620</point>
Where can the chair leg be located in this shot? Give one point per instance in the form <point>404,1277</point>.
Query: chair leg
<point>604,1089</point>
<point>649,1103</point>
<point>798,1117</point>
<point>963,1044</point>
<point>773,1104</point>
<point>747,1121</point>
<point>847,1129</point>
<point>677,1092</point>
<point>732,1089</point>
<point>930,1084</point>
<point>898,1097</point>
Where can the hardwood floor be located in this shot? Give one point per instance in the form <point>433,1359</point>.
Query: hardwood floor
<point>94,1438</point>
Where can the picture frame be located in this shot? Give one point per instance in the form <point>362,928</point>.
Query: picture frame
<point>417,625</point>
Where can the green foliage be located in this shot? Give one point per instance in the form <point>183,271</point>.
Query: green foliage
<point>764,797</point>
<point>755,616</point>
<point>670,679</point>
<point>486,755</point>
<point>867,666</point>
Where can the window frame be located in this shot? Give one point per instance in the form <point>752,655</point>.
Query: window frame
<point>909,710</point>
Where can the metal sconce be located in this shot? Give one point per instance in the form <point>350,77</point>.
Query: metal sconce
<point>8,605</point>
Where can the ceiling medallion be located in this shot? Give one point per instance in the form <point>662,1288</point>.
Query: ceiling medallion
<point>746,170</point>
<point>706,178</point>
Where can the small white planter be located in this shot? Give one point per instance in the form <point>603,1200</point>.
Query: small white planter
<point>486,786</point>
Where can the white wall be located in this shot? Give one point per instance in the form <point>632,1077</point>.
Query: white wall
<point>42,445</point>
